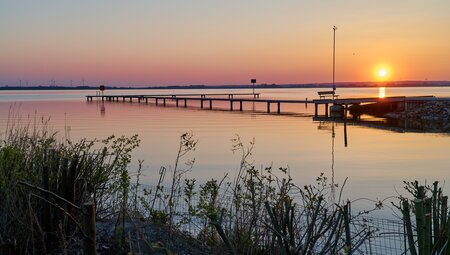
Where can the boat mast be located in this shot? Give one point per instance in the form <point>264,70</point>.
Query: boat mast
<point>334,59</point>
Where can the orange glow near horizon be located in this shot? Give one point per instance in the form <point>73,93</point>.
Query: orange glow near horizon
<point>152,43</point>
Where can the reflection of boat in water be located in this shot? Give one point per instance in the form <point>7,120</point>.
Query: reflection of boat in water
<point>325,125</point>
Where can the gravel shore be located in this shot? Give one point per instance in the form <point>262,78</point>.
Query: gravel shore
<point>431,116</point>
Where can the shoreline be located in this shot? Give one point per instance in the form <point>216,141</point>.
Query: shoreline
<point>397,84</point>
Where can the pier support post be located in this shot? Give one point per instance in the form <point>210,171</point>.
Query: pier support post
<point>240,105</point>
<point>268,107</point>
<point>326,110</point>
<point>210,104</point>
<point>164,102</point>
<point>315,109</point>
<point>123,99</point>
<point>146,100</point>
<point>185,103</point>
<point>278,104</point>
<point>231,105</point>
<point>156,102</point>
<point>201,102</point>
<point>176,101</point>
<point>131,100</point>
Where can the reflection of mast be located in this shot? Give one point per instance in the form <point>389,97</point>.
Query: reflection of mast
<point>345,126</point>
<point>333,134</point>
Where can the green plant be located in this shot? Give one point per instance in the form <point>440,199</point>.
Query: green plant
<point>431,234</point>
<point>187,144</point>
<point>263,217</point>
<point>45,183</point>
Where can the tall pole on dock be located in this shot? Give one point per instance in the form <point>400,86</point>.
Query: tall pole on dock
<point>334,59</point>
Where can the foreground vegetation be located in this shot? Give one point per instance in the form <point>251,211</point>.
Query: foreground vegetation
<point>66,197</point>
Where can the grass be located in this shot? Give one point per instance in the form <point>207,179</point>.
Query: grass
<point>47,184</point>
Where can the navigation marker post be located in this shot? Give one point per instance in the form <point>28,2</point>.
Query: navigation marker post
<point>102,89</point>
<point>253,81</point>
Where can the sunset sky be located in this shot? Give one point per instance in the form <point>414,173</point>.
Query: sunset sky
<point>175,42</point>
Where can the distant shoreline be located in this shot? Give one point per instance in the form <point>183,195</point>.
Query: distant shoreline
<point>258,86</point>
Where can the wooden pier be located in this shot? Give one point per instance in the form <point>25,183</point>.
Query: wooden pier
<point>406,102</point>
<point>209,99</point>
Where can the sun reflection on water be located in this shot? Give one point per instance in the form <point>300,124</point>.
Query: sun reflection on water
<point>381,92</point>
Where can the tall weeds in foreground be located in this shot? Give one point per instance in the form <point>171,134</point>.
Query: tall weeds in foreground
<point>45,183</point>
<point>268,213</point>
<point>187,144</point>
<point>49,187</point>
<point>428,233</point>
<point>261,211</point>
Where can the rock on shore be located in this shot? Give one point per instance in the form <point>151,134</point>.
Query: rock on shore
<point>431,115</point>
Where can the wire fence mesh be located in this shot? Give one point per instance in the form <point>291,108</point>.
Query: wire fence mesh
<point>387,236</point>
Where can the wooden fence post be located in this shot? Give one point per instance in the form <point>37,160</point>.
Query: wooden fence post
<point>89,228</point>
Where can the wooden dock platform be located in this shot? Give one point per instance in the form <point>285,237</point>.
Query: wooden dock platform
<point>233,98</point>
<point>346,102</point>
<point>208,98</point>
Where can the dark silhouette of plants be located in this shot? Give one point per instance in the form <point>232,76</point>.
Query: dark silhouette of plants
<point>429,231</point>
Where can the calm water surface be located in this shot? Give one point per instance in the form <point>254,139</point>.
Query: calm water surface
<point>376,160</point>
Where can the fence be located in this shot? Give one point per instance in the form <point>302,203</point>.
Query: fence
<point>387,235</point>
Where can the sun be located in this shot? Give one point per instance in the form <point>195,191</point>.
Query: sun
<point>382,73</point>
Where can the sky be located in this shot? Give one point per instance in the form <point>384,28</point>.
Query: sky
<point>181,42</point>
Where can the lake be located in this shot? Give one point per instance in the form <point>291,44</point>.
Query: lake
<point>376,159</point>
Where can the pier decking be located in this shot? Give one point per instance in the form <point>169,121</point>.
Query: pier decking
<point>346,102</point>
<point>232,98</point>
<point>208,98</point>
